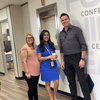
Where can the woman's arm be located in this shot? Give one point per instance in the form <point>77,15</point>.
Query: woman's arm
<point>24,59</point>
<point>40,58</point>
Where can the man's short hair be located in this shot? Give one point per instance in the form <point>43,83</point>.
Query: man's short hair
<point>64,14</point>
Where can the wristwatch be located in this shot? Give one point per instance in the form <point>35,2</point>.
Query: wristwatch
<point>83,59</point>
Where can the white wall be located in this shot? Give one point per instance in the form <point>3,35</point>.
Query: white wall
<point>21,26</point>
<point>3,68</point>
<point>33,5</point>
<point>18,34</point>
<point>90,26</point>
<point>26,19</point>
<point>80,13</point>
<point>3,14</point>
<point>49,24</point>
<point>1,55</point>
<point>61,7</point>
<point>4,27</point>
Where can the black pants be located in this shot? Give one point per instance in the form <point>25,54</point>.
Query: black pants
<point>72,68</point>
<point>32,86</point>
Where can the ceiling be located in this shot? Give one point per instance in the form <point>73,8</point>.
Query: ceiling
<point>4,3</point>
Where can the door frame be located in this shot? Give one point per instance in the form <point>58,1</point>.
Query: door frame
<point>12,46</point>
<point>2,48</point>
<point>46,8</point>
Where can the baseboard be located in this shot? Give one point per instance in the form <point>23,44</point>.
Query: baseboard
<point>2,73</point>
<point>19,78</point>
<point>62,92</point>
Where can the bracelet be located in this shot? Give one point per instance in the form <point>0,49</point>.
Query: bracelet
<point>26,73</point>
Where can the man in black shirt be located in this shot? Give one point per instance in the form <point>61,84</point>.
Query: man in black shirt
<point>73,49</point>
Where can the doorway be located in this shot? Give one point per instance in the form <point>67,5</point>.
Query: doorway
<point>6,51</point>
<point>47,19</point>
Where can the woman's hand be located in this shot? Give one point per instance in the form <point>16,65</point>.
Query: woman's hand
<point>40,58</point>
<point>28,76</point>
<point>53,56</point>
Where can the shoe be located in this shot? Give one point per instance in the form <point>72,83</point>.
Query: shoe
<point>74,98</point>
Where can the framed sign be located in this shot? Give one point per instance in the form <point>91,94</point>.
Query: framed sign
<point>43,2</point>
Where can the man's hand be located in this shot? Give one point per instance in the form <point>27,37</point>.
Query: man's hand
<point>81,63</point>
<point>62,65</point>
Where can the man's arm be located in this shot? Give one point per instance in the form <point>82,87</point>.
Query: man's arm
<point>83,54</point>
<point>82,61</point>
<point>62,54</point>
<point>62,61</point>
<point>83,47</point>
<point>81,40</point>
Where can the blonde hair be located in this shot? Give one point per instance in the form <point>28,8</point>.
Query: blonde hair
<point>33,44</point>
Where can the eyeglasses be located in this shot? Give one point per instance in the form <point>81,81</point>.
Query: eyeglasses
<point>29,37</point>
<point>46,35</point>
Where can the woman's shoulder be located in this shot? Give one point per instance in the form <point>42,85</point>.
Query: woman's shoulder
<point>24,47</point>
<point>38,45</point>
<point>52,43</point>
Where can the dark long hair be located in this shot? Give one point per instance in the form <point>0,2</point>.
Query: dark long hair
<point>42,41</point>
